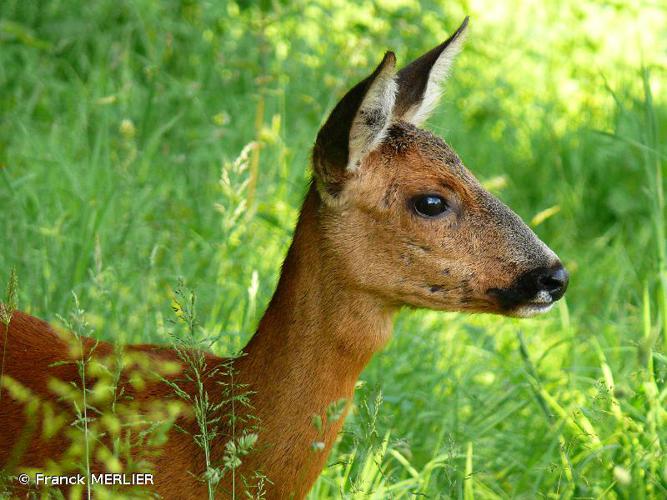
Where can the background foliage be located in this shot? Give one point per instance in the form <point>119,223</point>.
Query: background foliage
<point>122,167</point>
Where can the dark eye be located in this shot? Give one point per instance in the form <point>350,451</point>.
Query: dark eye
<point>430,205</point>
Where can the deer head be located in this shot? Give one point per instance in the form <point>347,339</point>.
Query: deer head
<point>401,216</point>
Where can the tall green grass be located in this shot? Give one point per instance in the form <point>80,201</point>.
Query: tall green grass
<point>145,141</point>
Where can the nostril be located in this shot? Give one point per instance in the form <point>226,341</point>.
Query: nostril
<point>554,281</point>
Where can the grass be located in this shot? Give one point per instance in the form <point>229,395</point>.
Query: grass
<point>141,142</point>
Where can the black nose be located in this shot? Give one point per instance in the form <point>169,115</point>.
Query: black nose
<point>554,281</point>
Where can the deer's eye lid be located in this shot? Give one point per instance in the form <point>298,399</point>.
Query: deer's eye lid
<point>429,205</point>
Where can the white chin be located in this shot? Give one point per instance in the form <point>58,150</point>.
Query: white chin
<point>532,310</point>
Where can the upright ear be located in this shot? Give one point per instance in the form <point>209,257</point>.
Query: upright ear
<point>355,127</point>
<point>420,82</point>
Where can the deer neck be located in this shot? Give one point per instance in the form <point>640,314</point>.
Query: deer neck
<point>310,348</point>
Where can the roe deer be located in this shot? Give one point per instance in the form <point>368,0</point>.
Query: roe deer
<point>391,219</point>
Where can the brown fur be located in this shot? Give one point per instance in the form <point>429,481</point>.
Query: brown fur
<point>360,252</point>
<point>308,352</point>
<point>481,242</point>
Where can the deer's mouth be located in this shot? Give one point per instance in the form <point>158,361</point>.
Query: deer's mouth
<point>532,309</point>
<point>539,304</point>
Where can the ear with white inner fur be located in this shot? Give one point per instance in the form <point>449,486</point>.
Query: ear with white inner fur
<point>420,82</point>
<point>355,127</point>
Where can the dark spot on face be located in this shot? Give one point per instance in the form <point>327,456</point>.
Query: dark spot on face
<point>435,288</point>
<point>418,246</point>
<point>466,289</point>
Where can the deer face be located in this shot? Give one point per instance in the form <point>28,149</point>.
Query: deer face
<point>404,219</point>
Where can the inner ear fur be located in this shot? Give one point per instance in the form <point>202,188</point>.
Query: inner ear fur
<point>420,82</point>
<point>356,125</point>
<point>360,120</point>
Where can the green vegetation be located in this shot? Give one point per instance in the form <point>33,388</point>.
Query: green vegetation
<point>143,141</point>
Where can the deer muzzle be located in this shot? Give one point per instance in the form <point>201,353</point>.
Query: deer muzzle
<point>533,292</point>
